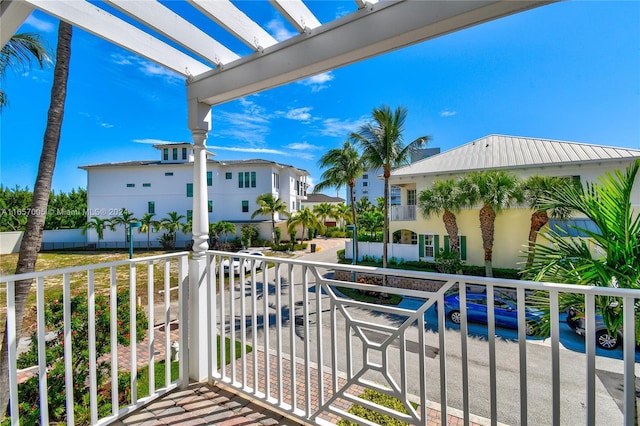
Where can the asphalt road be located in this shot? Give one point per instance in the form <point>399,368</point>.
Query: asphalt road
<point>572,358</point>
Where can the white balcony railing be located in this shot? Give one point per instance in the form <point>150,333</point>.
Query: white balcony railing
<point>407,212</point>
<point>308,351</point>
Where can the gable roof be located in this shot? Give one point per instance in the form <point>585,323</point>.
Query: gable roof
<point>504,152</point>
<point>322,198</point>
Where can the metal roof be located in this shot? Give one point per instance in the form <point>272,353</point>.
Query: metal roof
<point>224,54</point>
<point>504,152</point>
<point>323,198</point>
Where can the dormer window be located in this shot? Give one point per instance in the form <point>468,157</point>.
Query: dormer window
<point>175,153</point>
<point>165,154</point>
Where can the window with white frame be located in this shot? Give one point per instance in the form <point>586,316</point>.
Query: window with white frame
<point>429,245</point>
<point>411,197</point>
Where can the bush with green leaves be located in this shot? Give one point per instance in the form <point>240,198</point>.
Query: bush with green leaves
<point>28,391</point>
<point>341,254</point>
<point>448,262</point>
<point>248,234</point>
<point>375,416</point>
<point>277,233</point>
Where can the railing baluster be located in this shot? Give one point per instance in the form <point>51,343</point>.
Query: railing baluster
<point>491,324</point>
<point>307,349</point>
<point>167,322</point>
<point>12,339</point>
<point>464,332</point>
<point>442,345</point>
<point>151,329</point>
<point>590,312</point>
<point>113,308</point>
<point>292,338</point>
<point>628,340</point>
<point>183,320</point>
<point>555,354</point>
<point>232,316</point>
<point>265,329</point>
<point>93,381</point>
<point>42,353</point>
<point>223,323</point>
<point>254,334</point>
<point>68,359</point>
<point>278,285</point>
<point>243,327</point>
<point>319,341</point>
<point>133,333</point>
<point>522,346</point>
<point>218,277</point>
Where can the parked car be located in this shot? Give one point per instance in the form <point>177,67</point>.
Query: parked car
<point>505,311</point>
<point>604,339</point>
<point>247,265</point>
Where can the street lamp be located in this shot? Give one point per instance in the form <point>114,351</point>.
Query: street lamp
<point>354,241</point>
<point>131,226</point>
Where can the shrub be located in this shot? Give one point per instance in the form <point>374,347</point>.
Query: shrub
<point>248,234</point>
<point>341,254</point>
<point>448,262</point>
<point>375,416</point>
<point>277,235</point>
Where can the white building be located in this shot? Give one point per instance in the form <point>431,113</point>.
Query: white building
<point>166,185</point>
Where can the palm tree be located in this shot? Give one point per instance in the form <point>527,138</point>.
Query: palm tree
<point>172,224</point>
<point>147,225</point>
<point>343,166</point>
<point>363,205</point>
<point>270,205</point>
<point>32,237</point>
<point>496,190</point>
<point>383,147</point>
<point>343,214</point>
<point>100,225</point>
<point>223,227</point>
<point>304,218</point>
<point>124,219</point>
<point>323,211</point>
<point>444,196</point>
<point>18,53</point>
<point>535,190</point>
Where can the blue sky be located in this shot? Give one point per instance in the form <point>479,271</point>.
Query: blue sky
<point>567,71</point>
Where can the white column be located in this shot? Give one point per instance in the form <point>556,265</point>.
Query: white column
<point>199,123</point>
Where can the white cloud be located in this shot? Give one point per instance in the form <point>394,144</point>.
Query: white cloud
<point>447,113</point>
<point>301,114</point>
<point>279,31</point>
<point>97,119</point>
<point>251,125</point>
<point>147,68</point>
<point>318,81</point>
<point>302,146</point>
<point>249,149</point>
<point>40,25</point>
<point>153,141</point>
<point>336,127</point>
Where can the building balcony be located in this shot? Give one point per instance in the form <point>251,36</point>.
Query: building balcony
<point>405,212</point>
<point>306,353</point>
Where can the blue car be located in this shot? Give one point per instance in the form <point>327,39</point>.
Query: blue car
<point>505,311</point>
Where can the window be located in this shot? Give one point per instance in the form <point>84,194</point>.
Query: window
<point>210,206</point>
<point>462,246</point>
<point>365,176</point>
<point>189,214</point>
<point>168,173</point>
<point>184,153</point>
<point>189,190</point>
<point>165,154</point>
<point>245,206</point>
<point>411,197</point>
<point>428,245</point>
<point>365,183</point>
<point>175,153</point>
<point>276,180</point>
<point>246,179</point>
<point>253,179</point>
<point>209,178</point>
<point>146,185</point>
<point>365,191</point>
<point>131,185</point>
<point>151,207</point>
<point>228,175</point>
<point>240,180</point>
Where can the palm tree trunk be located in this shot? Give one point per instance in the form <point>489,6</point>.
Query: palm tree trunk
<point>487,225</point>
<point>451,225</point>
<point>538,220</point>
<point>385,229</point>
<point>32,238</point>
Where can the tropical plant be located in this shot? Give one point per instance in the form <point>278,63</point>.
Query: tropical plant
<point>124,218</point>
<point>444,196</point>
<point>535,190</point>
<point>304,218</point>
<point>18,53</point>
<point>343,166</point>
<point>249,233</point>
<point>147,225</point>
<point>222,227</point>
<point>270,205</point>
<point>496,190</point>
<point>99,225</point>
<point>364,205</point>
<point>382,144</point>
<point>371,222</point>
<point>324,211</point>
<point>172,223</point>
<point>32,236</point>
<point>343,214</point>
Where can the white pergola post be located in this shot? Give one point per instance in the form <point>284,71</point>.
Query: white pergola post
<point>199,123</point>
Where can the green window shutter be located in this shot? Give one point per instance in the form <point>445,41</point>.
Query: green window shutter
<point>253,179</point>
<point>189,190</point>
<point>209,178</point>
<point>420,245</point>
<point>463,248</point>
<point>436,245</point>
<point>447,246</point>
<point>240,181</point>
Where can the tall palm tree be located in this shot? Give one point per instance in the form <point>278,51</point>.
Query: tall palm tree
<point>363,205</point>
<point>343,214</point>
<point>383,147</point>
<point>18,53</point>
<point>323,211</point>
<point>444,196</point>
<point>172,223</point>
<point>496,190</point>
<point>99,225</point>
<point>270,205</point>
<point>304,218</point>
<point>343,166</point>
<point>535,190</point>
<point>32,237</point>
<point>124,218</point>
<point>147,225</point>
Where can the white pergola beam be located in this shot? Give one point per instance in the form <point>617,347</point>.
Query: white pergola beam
<point>236,22</point>
<point>162,19</point>
<point>361,35</point>
<point>83,14</point>
<point>12,15</point>
<point>297,13</point>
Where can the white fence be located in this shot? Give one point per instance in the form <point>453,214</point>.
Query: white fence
<point>405,252</point>
<point>51,239</point>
